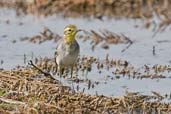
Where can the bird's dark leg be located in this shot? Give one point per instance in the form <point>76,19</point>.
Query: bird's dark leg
<point>71,71</point>
<point>61,71</point>
<point>56,70</point>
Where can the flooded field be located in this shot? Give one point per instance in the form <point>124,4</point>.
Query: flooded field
<point>119,58</point>
<point>139,54</point>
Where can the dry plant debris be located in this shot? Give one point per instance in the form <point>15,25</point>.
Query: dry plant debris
<point>45,35</point>
<point>138,9</point>
<point>104,38</point>
<point>27,90</point>
<point>21,92</point>
<point>115,68</point>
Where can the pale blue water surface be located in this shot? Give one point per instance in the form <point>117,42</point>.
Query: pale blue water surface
<point>140,53</point>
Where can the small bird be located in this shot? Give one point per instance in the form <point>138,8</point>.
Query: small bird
<point>67,50</point>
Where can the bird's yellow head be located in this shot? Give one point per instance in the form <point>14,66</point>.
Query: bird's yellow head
<point>69,33</point>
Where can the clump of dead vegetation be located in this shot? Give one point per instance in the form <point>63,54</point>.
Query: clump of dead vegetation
<point>104,38</point>
<point>22,91</point>
<point>117,67</point>
<point>138,9</point>
<point>45,35</point>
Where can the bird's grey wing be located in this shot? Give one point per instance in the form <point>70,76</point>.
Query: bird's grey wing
<point>58,47</point>
<point>58,51</point>
<point>76,47</point>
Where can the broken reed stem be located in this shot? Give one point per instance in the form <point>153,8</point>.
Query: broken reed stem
<point>154,51</point>
<point>130,44</point>
<point>10,101</point>
<point>47,74</point>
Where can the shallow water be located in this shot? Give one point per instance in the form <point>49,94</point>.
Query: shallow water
<point>12,28</point>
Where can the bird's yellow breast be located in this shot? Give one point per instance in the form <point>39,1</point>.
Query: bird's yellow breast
<point>68,39</point>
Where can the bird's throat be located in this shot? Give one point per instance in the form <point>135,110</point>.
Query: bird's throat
<point>69,39</point>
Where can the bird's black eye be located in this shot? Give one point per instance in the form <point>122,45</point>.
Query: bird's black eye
<point>69,30</point>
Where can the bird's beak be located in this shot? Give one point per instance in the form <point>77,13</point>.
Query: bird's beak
<point>79,30</point>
